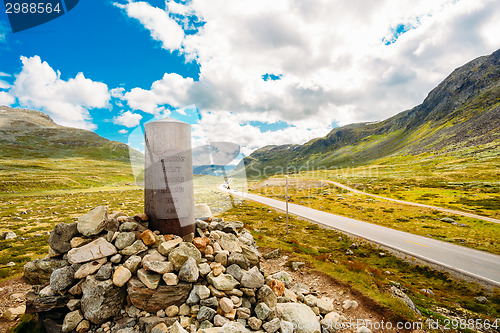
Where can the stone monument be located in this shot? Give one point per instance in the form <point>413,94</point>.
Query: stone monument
<point>168,177</point>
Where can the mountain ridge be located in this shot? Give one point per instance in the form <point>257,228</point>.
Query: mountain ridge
<point>463,111</point>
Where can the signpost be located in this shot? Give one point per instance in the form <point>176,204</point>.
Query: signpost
<point>168,177</point>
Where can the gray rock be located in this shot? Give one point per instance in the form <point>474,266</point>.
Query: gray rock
<point>286,326</point>
<point>104,272</point>
<point>96,249</point>
<point>202,212</point>
<point>181,253</point>
<point>210,302</point>
<point>482,299</point>
<point>137,247</point>
<point>40,270</point>
<point>204,268</point>
<point>132,263</point>
<point>222,281</point>
<point>202,291</point>
<point>272,326</point>
<point>62,278</point>
<point>251,254</point>
<point>243,313</point>
<point>201,224</point>
<point>71,320</point>
<point>283,277</point>
<point>262,311</point>
<point>272,254</point>
<point>166,247</point>
<point>124,239</point>
<point>234,327</point>
<point>447,220</point>
<point>220,321</point>
<point>407,300</point>
<point>252,278</point>
<point>73,304</point>
<point>238,259</point>
<point>296,265</point>
<point>128,226</point>
<point>61,235</point>
<point>93,222</point>
<point>8,235</point>
<point>254,323</point>
<point>116,259</point>
<point>230,242</point>
<point>101,300</point>
<point>302,317</point>
<point>193,297</point>
<point>325,305</point>
<point>189,271</point>
<point>206,313</point>
<point>235,271</point>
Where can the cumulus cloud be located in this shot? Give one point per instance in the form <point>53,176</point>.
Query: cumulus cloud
<point>67,102</point>
<point>333,59</point>
<point>6,99</point>
<point>158,22</point>
<point>4,85</point>
<point>128,119</point>
<point>123,131</point>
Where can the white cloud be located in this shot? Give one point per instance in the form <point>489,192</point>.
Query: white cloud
<point>6,99</point>
<point>67,102</point>
<point>333,57</point>
<point>128,119</point>
<point>4,74</point>
<point>158,22</point>
<point>123,131</point>
<point>4,85</point>
<point>234,128</point>
<point>172,89</point>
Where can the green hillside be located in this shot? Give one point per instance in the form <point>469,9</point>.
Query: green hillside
<point>36,154</point>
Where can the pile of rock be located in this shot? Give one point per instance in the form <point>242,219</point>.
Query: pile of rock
<point>109,273</point>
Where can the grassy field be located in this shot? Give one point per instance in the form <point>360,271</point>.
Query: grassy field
<point>467,231</point>
<point>467,182</point>
<point>366,270</point>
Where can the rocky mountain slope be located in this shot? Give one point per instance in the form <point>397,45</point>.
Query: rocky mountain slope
<point>31,134</point>
<point>461,114</point>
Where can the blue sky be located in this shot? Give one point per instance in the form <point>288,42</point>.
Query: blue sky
<point>249,72</point>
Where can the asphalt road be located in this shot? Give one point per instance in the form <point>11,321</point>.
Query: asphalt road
<point>473,263</point>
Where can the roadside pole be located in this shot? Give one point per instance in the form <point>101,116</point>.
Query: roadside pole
<point>286,196</point>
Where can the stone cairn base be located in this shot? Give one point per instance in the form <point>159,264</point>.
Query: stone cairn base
<point>110,273</point>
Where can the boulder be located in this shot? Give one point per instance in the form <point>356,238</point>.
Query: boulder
<point>189,271</point>
<point>101,300</point>
<point>230,242</point>
<point>222,282</point>
<point>181,253</point>
<point>96,249</point>
<point>62,278</point>
<point>124,239</point>
<point>60,237</point>
<point>300,315</point>
<point>153,300</point>
<point>93,222</point>
<point>40,270</point>
<point>71,320</point>
<point>252,279</point>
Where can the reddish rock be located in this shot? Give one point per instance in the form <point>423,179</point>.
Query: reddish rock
<point>277,286</point>
<point>141,217</point>
<point>148,237</point>
<point>201,243</point>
